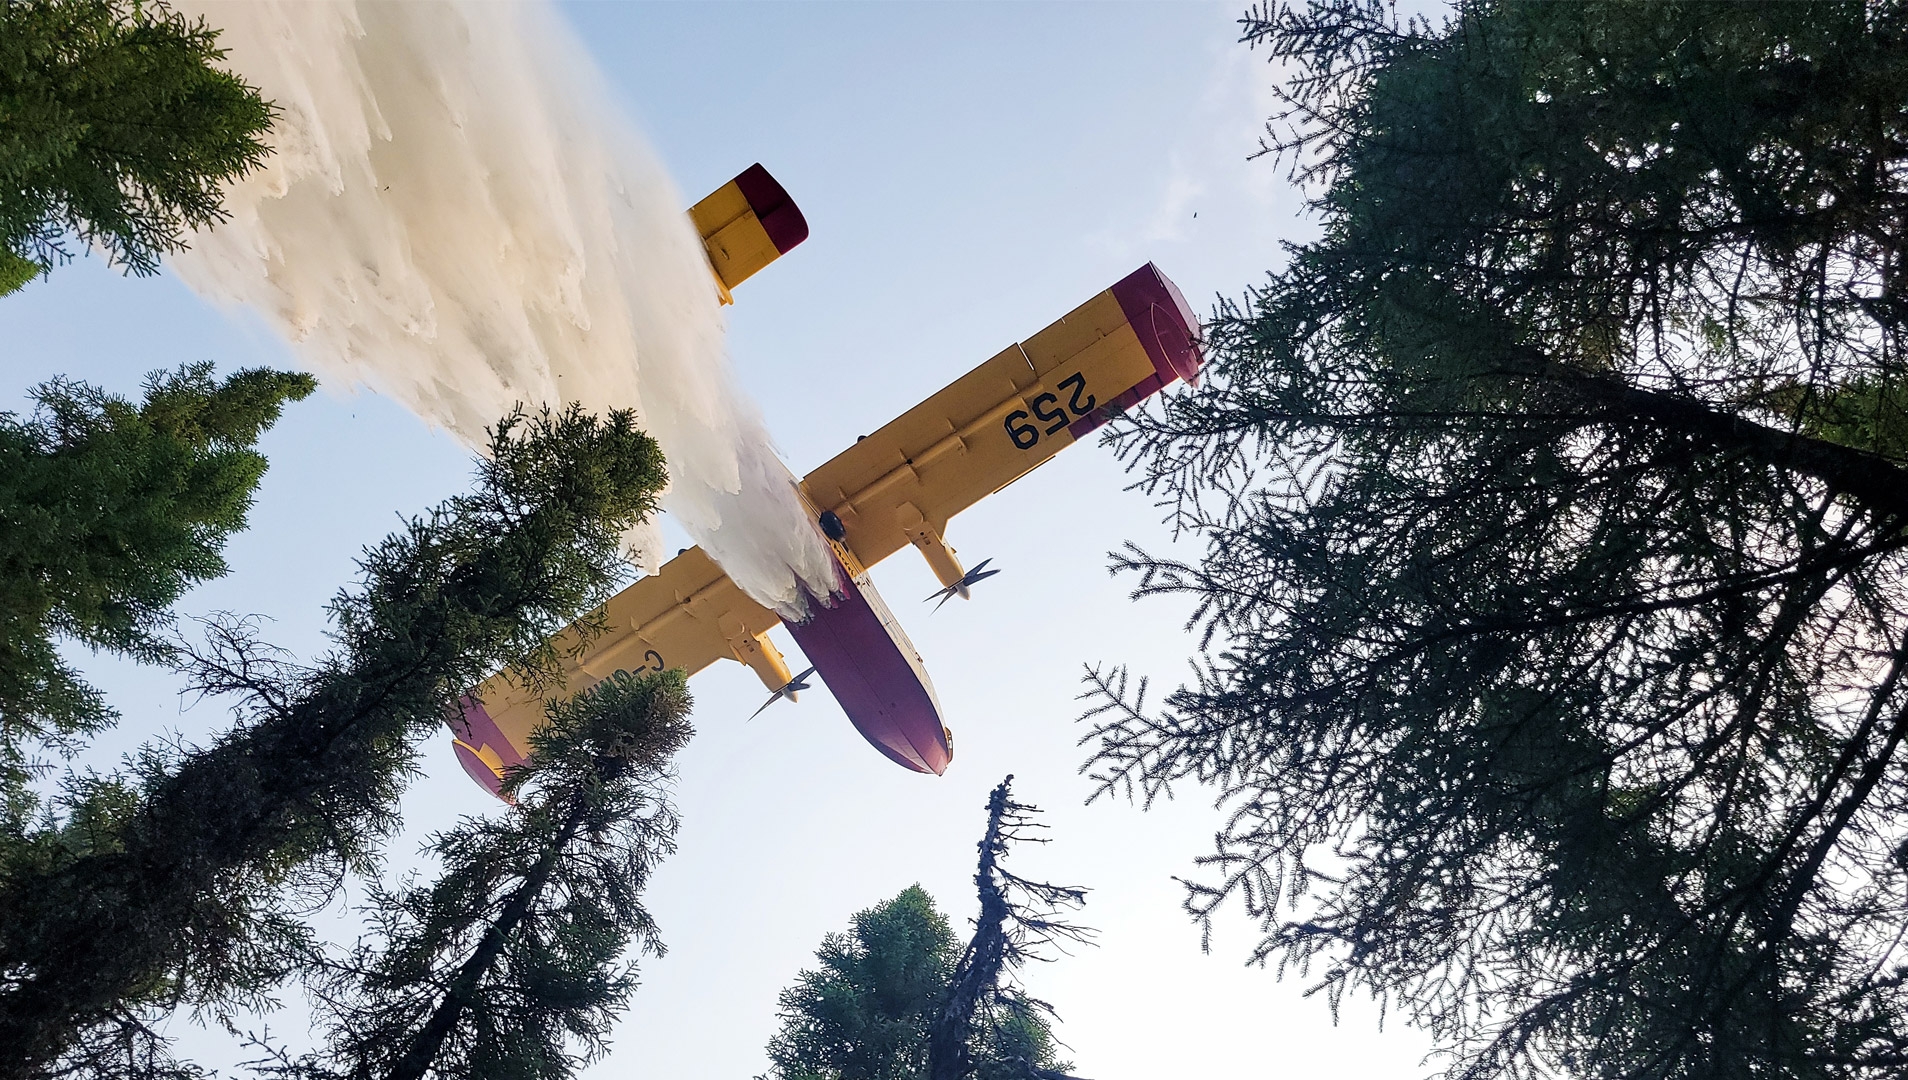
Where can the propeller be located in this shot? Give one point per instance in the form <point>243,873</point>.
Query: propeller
<point>787,690</point>
<point>959,588</point>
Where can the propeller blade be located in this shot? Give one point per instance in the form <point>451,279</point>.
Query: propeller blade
<point>959,588</point>
<point>786,690</point>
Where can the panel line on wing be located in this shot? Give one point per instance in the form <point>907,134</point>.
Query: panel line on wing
<point>932,455</point>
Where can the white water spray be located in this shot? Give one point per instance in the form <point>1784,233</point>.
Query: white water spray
<point>454,217</point>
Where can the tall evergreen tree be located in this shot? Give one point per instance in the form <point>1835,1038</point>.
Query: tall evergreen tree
<point>109,511</point>
<point>116,128</point>
<point>183,883</point>
<point>510,963</point>
<point>865,1011</point>
<point>894,1000</point>
<point>986,1026</point>
<point>1556,512</point>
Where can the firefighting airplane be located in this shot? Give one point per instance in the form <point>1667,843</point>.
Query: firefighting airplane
<point>896,487</point>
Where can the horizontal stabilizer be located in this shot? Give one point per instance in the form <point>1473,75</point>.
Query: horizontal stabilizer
<point>747,224</point>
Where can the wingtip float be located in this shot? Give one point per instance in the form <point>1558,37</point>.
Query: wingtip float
<point>894,488</point>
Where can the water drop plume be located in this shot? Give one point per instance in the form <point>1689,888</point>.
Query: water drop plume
<point>455,216</point>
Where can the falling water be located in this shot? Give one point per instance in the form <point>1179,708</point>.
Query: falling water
<point>454,216</point>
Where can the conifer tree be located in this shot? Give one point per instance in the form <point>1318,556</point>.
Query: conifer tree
<point>893,1000</point>
<point>109,511</point>
<point>510,964</point>
<point>986,1026</point>
<point>117,128</point>
<point>865,1011</point>
<point>182,883</point>
<point>1555,511</point>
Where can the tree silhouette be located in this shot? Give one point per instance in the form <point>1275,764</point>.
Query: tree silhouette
<point>183,882</point>
<point>1555,506</point>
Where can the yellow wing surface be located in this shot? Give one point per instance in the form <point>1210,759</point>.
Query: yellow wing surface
<point>986,429</point>
<point>897,486</point>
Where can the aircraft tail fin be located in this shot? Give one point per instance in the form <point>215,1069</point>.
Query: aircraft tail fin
<point>747,224</point>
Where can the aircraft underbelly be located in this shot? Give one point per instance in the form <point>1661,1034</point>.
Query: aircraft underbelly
<point>868,663</point>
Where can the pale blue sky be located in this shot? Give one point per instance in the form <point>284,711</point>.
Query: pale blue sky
<point>969,172</point>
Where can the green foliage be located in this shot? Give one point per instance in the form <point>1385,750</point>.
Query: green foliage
<point>986,1025</point>
<point>117,128</point>
<point>15,272</point>
<point>1869,411</point>
<point>894,999</point>
<point>109,511</point>
<point>183,882</point>
<point>1018,1037</point>
<point>514,954</point>
<point>1555,506</point>
<point>864,1013</point>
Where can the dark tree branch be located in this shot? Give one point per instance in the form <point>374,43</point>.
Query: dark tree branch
<point>1017,918</point>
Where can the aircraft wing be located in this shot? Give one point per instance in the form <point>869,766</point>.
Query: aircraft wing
<point>986,429</point>
<point>688,615</point>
